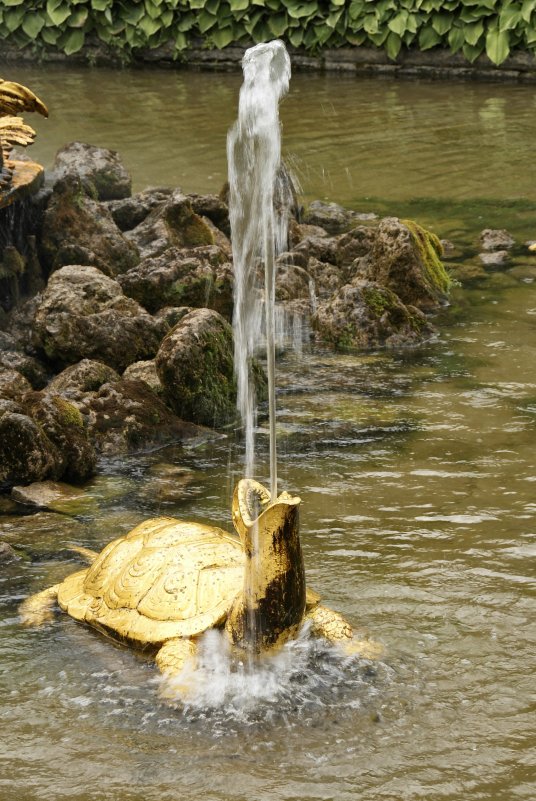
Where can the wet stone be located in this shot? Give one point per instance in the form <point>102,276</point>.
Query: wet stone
<point>495,258</point>
<point>43,534</point>
<point>492,239</point>
<point>7,554</point>
<point>55,496</point>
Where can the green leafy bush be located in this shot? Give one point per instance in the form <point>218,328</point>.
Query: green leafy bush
<point>496,27</point>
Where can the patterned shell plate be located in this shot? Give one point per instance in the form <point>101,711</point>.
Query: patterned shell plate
<point>166,578</point>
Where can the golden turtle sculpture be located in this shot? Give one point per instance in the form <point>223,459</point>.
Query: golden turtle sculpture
<point>168,581</point>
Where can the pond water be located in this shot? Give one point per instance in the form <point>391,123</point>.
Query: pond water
<point>416,471</point>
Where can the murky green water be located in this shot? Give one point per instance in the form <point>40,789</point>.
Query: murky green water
<point>416,471</point>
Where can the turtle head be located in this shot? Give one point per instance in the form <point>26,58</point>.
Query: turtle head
<point>272,603</point>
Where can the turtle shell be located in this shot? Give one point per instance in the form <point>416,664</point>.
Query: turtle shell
<point>166,578</point>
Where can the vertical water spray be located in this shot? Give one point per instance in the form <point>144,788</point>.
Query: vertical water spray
<point>258,215</point>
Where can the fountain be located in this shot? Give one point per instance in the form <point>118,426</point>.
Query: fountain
<point>258,210</point>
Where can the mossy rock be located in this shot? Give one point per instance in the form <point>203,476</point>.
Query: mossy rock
<point>195,366</point>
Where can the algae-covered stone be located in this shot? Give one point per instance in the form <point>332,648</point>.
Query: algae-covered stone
<point>364,315</point>
<point>195,366</point>
<point>56,497</point>
<point>126,416</point>
<point>406,259</point>
<point>198,277</point>
<point>26,453</point>
<point>173,224</point>
<point>99,166</point>
<point>86,376</point>
<point>333,218</point>
<point>65,428</point>
<point>84,314</point>
<point>145,371</point>
<point>13,385</point>
<point>131,211</point>
<point>78,230</point>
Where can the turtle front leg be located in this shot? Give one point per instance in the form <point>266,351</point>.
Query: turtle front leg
<point>38,609</point>
<point>335,629</point>
<point>172,658</point>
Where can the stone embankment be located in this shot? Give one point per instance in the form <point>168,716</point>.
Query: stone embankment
<point>128,342</point>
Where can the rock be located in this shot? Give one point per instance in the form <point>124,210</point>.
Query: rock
<point>195,366</point>
<point>7,554</point>
<point>214,208</point>
<point>198,277</point>
<point>169,316</point>
<point>79,230</point>
<point>494,258</point>
<point>170,484</point>
<point>293,282</point>
<point>496,239</point>
<point>322,248</point>
<point>9,406</point>
<point>43,535</point>
<point>333,218</point>
<point>173,224</point>
<point>76,381</point>
<point>64,426</point>
<point>126,416</point>
<point>406,259</point>
<point>28,366</point>
<point>146,372</point>
<point>468,272</point>
<point>13,385</point>
<point>366,315</point>
<point>102,167</point>
<point>26,453</point>
<point>327,278</point>
<point>131,211</point>
<point>298,232</point>
<point>356,244</point>
<point>56,497</point>
<point>83,314</point>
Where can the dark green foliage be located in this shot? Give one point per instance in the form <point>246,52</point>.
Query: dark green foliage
<point>496,27</point>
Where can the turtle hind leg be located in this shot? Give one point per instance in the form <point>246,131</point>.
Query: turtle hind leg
<point>38,609</point>
<point>172,658</point>
<point>335,629</point>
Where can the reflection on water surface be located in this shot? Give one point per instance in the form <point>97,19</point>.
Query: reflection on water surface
<point>416,471</point>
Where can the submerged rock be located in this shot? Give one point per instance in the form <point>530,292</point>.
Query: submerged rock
<point>492,239</point>
<point>495,258</point>
<point>79,230</point>
<point>56,497</point>
<point>364,314</point>
<point>84,314</point>
<point>195,366</point>
<point>102,168</point>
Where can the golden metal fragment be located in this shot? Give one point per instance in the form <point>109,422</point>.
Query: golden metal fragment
<point>167,581</point>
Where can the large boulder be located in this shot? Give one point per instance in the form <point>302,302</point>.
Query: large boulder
<point>83,314</point>
<point>406,259</point>
<point>364,314</point>
<point>13,385</point>
<point>195,365</point>
<point>101,167</point>
<point>77,229</point>
<point>131,211</point>
<point>198,277</point>
<point>45,439</point>
<point>76,381</point>
<point>171,224</point>
<point>126,415</point>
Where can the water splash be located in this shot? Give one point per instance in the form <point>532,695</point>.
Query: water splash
<point>307,677</point>
<point>258,209</point>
